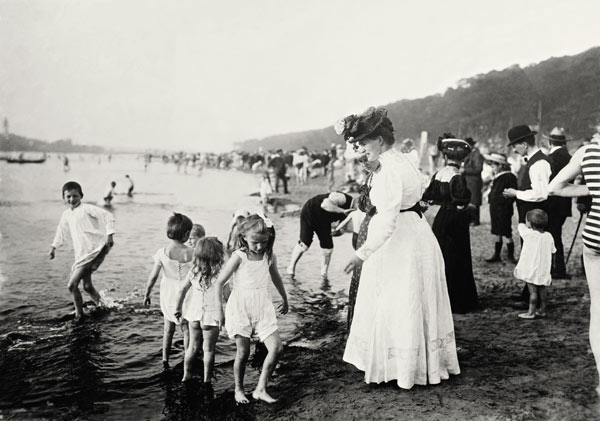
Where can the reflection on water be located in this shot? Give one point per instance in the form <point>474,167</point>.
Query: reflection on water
<point>110,365</point>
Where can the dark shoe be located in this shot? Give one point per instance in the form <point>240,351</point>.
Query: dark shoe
<point>511,252</point>
<point>496,256</point>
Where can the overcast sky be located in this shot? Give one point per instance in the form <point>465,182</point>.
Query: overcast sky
<point>200,75</point>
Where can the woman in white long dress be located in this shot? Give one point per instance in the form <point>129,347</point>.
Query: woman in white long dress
<point>402,328</point>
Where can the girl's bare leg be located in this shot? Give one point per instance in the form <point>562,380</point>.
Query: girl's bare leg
<point>542,296</point>
<point>73,286</point>
<point>275,347</point>
<point>192,350</point>
<point>185,330</point>
<point>167,341</point>
<point>533,301</point>
<point>89,288</point>
<point>210,335</point>
<point>239,367</point>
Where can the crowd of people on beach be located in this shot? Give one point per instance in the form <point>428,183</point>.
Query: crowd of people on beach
<point>407,277</point>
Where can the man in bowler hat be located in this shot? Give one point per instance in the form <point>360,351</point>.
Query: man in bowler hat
<point>559,208</point>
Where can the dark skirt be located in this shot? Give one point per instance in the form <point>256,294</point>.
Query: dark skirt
<point>501,219</point>
<point>354,281</point>
<point>451,228</point>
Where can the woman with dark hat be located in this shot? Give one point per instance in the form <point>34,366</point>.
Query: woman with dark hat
<point>402,327</point>
<point>448,188</point>
<point>501,208</point>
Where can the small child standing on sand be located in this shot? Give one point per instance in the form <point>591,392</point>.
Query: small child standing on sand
<point>265,190</point>
<point>196,234</point>
<point>202,312</point>
<point>175,261</point>
<point>535,261</point>
<point>250,309</point>
<point>90,243</point>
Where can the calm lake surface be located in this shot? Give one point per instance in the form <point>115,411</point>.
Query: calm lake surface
<point>109,367</point>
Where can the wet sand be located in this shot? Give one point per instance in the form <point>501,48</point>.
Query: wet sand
<point>511,368</point>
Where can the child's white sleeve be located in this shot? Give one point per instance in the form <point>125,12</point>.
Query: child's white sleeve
<point>61,232</point>
<point>523,230</point>
<point>105,216</point>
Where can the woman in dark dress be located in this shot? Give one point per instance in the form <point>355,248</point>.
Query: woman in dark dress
<point>501,208</point>
<point>365,205</point>
<point>448,188</point>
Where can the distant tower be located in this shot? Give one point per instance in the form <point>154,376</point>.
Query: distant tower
<point>6,127</point>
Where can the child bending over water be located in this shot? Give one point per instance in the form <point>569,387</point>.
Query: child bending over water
<point>175,261</point>
<point>202,312</point>
<point>535,261</point>
<point>90,243</point>
<point>249,308</point>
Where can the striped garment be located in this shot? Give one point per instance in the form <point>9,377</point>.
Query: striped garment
<point>590,166</point>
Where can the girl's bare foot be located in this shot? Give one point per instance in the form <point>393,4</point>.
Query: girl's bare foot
<point>263,396</point>
<point>526,316</point>
<point>240,397</point>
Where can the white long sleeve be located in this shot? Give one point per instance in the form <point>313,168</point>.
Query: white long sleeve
<point>539,174</point>
<point>61,232</point>
<point>388,188</point>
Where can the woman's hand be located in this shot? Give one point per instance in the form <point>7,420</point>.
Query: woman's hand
<point>353,263</point>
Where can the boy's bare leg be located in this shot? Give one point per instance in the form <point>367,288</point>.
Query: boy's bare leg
<point>239,367</point>
<point>169,330</point>
<point>73,286</point>
<point>210,335</point>
<point>192,350</point>
<point>275,347</point>
<point>89,288</point>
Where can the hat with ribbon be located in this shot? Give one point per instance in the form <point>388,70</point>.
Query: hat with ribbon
<point>557,135</point>
<point>358,127</point>
<point>519,134</point>
<point>498,158</point>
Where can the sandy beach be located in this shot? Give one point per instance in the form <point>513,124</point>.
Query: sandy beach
<point>512,369</point>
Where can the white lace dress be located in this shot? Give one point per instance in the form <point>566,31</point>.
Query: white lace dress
<point>402,328</point>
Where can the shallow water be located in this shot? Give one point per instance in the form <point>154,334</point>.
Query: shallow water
<point>110,365</point>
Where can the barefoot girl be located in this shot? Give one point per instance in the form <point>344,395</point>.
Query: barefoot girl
<point>175,261</point>
<point>90,243</point>
<point>535,261</point>
<point>202,312</point>
<point>250,309</point>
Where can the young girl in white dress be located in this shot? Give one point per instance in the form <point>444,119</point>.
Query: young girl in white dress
<point>91,241</point>
<point>250,309</point>
<point>175,261</point>
<point>535,261</point>
<point>202,312</point>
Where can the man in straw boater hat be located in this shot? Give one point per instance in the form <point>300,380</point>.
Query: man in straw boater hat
<point>559,208</point>
<point>501,208</point>
<point>532,192</point>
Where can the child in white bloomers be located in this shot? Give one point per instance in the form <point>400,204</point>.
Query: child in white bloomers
<point>175,261</point>
<point>202,312</point>
<point>250,309</point>
<point>535,261</point>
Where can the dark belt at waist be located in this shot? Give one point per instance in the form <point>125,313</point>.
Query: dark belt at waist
<point>416,208</point>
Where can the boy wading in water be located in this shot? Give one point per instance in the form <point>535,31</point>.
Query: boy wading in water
<point>90,243</point>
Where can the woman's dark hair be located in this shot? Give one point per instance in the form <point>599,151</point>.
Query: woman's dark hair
<point>72,185</point>
<point>385,130</point>
<point>457,151</point>
<point>178,227</point>
<point>208,259</point>
<point>256,223</point>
